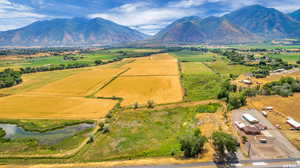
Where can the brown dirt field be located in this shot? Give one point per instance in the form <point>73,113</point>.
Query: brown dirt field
<point>53,107</point>
<point>160,89</point>
<point>81,84</point>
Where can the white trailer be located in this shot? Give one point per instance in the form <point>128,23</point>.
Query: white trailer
<point>239,124</point>
<point>293,123</point>
<point>248,117</point>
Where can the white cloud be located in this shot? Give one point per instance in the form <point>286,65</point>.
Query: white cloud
<point>144,17</point>
<point>13,15</point>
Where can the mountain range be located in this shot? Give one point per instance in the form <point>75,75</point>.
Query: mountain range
<point>64,32</point>
<point>249,24</point>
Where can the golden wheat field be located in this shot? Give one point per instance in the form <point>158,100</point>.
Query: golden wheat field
<point>160,89</point>
<point>53,107</point>
<point>81,84</point>
<point>152,68</point>
<point>288,106</point>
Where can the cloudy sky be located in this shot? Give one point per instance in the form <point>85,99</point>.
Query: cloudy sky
<point>147,16</point>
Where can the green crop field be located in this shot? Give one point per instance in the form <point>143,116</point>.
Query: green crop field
<point>193,56</point>
<point>291,58</point>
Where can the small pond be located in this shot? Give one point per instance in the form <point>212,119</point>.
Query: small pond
<point>13,131</point>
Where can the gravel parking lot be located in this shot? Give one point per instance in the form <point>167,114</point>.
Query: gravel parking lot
<point>277,146</point>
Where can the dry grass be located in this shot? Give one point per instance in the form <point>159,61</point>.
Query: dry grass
<point>289,106</point>
<point>53,107</point>
<point>262,81</point>
<point>81,84</point>
<point>160,89</point>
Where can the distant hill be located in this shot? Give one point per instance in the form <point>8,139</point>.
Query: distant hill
<point>267,22</point>
<point>208,30</point>
<point>73,32</point>
<point>295,15</point>
<point>249,24</point>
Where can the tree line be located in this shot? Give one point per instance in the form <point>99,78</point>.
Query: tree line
<point>10,77</point>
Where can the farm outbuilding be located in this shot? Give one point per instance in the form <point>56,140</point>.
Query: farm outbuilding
<point>260,126</point>
<point>250,118</point>
<point>251,130</point>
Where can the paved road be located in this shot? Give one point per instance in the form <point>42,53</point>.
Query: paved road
<point>268,163</point>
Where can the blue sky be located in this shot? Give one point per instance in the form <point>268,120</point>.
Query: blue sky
<point>148,16</point>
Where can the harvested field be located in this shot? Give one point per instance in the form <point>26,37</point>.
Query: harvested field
<point>81,84</point>
<point>36,80</point>
<point>152,68</point>
<point>53,107</point>
<point>160,89</point>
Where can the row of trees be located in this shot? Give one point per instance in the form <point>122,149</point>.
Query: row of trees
<point>284,87</point>
<point>53,67</point>
<point>9,78</point>
<point>225,144</point>
<point>31,51</point>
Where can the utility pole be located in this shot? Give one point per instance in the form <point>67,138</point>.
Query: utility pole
<point>249,150</point>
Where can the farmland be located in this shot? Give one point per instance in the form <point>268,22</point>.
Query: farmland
<point>193,56</point>
<point>53,107</point>
<point>89,82</point>
<point>160,89</point>
<point>289,57</point>
<point>155,78</point>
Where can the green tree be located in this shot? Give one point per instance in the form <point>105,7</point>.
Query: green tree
<point>192,144</point>
<point>223,143</point>
<point>236,100</point>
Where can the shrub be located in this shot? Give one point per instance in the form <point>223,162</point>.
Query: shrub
<point>150,104</point>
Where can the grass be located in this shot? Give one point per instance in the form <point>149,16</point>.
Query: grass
<point>44,125</point>
<point>208,108</point>
<point>222,67</point>
<point>291,58</point>
<point>193,56</point>
<point>148,133</point>
<point>201,87</point>
<point>195,68</point>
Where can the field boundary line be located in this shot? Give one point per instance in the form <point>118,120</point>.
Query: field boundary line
<point>107,83</point>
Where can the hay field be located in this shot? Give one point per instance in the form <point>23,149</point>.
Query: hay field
<point>155,65</point>
<point>152,68</point>
<point>36,80</point>
<point>289,106</point>
<point>160,89</point>
<point>81,84</point>
<point>53,107</point>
